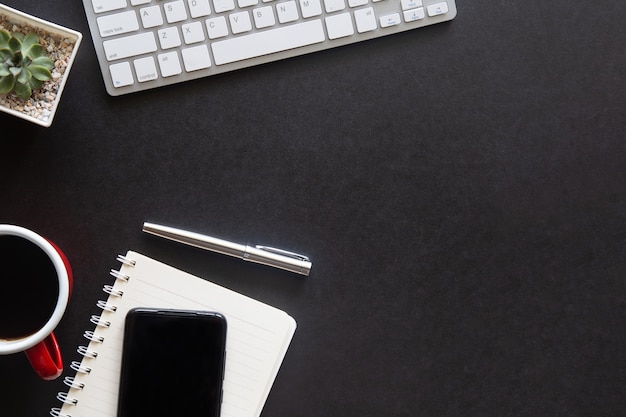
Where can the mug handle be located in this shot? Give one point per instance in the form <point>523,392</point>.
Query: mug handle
<point>45,358</point>
<point>66,263</point>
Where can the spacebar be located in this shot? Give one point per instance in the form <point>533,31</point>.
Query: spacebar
<point>268,42</point>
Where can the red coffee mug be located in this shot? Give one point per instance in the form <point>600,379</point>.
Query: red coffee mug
<point>41,347</point>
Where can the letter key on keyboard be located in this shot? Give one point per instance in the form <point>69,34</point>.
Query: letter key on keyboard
<point>143,44</point>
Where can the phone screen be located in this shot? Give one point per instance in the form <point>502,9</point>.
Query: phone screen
<point>172,363</point>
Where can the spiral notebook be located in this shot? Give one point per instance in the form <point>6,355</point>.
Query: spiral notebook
<point>257,341</point>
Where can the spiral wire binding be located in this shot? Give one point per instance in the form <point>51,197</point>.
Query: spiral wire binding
<point>106,306</point>
<point>99,321</point>
<point>118,275</point>
<point>56,412</point>
<point>71,382</point>
<point>91,336</point>
<point>78,367</point>
<point>83,350</point>
<point>62,396</point>
<point>109,290</point>
<point>126,261</point>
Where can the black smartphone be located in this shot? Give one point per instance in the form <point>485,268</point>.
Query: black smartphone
<point>172,363</point>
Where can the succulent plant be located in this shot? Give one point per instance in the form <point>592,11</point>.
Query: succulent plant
<point>24,65</point>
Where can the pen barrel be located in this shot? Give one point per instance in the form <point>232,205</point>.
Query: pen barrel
<point>260,254</point>
<point>196,239</point>
<point>277,260</point>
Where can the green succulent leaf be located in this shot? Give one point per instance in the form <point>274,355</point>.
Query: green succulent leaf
<point>4,69</point>
<point>30,40</point>
<point>43,61</point>
<point>24,76</point>
<point>35,51</point>
<point>5,55</point>
<point>15,71</point>
<point>34,83</point>
<point>4,38</point>
<point>23,91</point>
<point>6,84</point>
<point>15,44</point>
<point>40,73</point>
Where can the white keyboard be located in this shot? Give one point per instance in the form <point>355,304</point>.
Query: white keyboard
<point>143,44</point>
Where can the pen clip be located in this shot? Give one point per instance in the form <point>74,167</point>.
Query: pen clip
<point>283,252</point>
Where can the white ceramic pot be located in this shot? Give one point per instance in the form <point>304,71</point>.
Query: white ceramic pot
<point>40,116</point>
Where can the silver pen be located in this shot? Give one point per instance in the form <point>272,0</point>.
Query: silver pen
<point>265,255</point>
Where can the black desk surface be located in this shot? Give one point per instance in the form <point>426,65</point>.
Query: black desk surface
<point>461,190</point>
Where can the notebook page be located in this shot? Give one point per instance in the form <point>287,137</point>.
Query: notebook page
<point>258,336</point>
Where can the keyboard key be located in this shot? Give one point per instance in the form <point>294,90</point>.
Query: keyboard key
<point>357,3</point>
<point>199,8</point>
<point>121,74</point>
<point>175,11</point>
<point>390,20</point>
<point>438,9</point>
<point>339,26</point>
<point>169,37</point>
<point>101,6</point>
<point>145,69</point>
<point>151,16</point>
<point>223,5</point>
<point>334,5</point>
<point>193,33</point>
<point>413,15</point>
<point>240,22</point>
<point>264,17</point>
<point>247,3</point>
<point>139,2</point>
<point>216,27</point>
<point>267,42</point>
<point>365,20</point>
<point>196,58</point>
<point>116,24</point>
<point>287,11</point>
<point>410,4</point>
<point>169,64</point>
<point>128,46</point>
<point>310,8</point>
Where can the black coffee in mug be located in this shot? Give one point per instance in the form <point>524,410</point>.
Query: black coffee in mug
<point>30,287</point>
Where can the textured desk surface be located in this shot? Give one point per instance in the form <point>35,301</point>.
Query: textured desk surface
<point>461,190</point>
